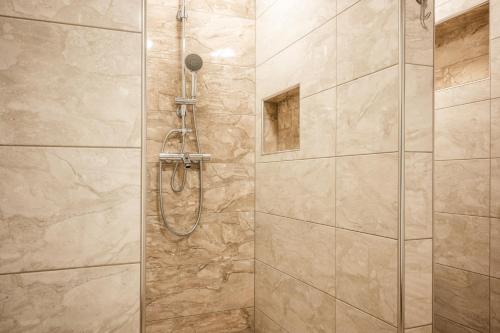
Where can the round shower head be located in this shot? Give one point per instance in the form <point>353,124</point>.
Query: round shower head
<point>193,62</point>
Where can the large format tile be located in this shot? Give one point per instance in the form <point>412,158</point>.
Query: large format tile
<point>495,305</point>
<point>448,9</point>
<point>302,249</point>
<point>418,282</point>
<point>463,132</point>
<point>421,329</point>
<point>418,108</point>
<point>418,195</point>
<point>462,187</point>
<point>294,305</point>
<point>264,324</point>
<point>68,207</point>
<point>124,14</point>
<point>494,19</point>
<point>301,189</point>
<point>495,247</point>
<point>238,8</point>
<point>367,38</point>
<point>262,5</point>
<point>419,42</point>
<point>230,321</point>
<point>366,271</point>
<point>443,325</point>
<point>367,114</point>
<point>99,299</point>
<point>495,187</point>
<point>311,62</point>
<point>495,67</point>
<point>350,320</point>
<point>495,128</point>
<point>69,85</point>
<point>462,242</point>
<point>462,297</point>
<point>185,290</point>
<point>370,182</point>
<point>286,21</point>
<point>466,93</point>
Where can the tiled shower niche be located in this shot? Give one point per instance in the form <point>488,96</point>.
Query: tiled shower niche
<point>281,121</point>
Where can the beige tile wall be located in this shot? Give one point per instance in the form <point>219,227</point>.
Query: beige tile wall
<point>204,282</point>
<point>466,199</point>
<point>70,170</point>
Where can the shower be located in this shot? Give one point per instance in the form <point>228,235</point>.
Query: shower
<point>183,160</point>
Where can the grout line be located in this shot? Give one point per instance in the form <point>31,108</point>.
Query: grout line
<point>265,10</point>
<point>462,104</point>
<point>70,24</point>
<point>70,268</point>
<point>461,269</point>
<point>68,146</point>
<point>285,159</point>
<point>468,215</point>
<point>463,159</point>
<point>457,323</point>
<point>368,74</point>
<point>418,326</point>
<point>200,314</point>
<point>360,310</point>
<point>271,319</point>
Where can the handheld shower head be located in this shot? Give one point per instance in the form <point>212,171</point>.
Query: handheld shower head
<point>193,62</point>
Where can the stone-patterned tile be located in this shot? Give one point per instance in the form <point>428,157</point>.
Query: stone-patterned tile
<point>264,324</point>
<point>371,182</point>
<point>463,132</point>
<point>294,305</point>
<point>311,62</point>
<point>462,187</point>
<point>495,67</point>
<point>418,282</point>
<point>495,128</point>
<point>466,93</point>
<point>495,187</point>
<point>422,329</point>
<point>494,19</point>
<point>185,290</point>
<point>219,236</point>
<point>230,321</point>
<point>443,325</point>
<point>462,242</point>
<point>69,85</point>
<point>448,9</point>
<point>238,8</point>
<point>317,125</point>
<point>302,249</point>
<point>366,271</point>
<point>419,42</point>
<point>367,114</point>
<point>344,4</point>
<point>262,5</point>
<point>418,195</point>
<point>293,189</point>
<point>124,14</point>
<point>350,320</point>
<point>462,297</point>
<point>68,207</point>
<point>418,108</point>
<point>495,248</point>
<point>495,305</point>
<point>367,38</point>
<point>98,299</point>
<point>286,21</point>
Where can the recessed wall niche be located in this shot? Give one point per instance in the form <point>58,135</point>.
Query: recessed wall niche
<point>462,48</point>
<point>281,121</point>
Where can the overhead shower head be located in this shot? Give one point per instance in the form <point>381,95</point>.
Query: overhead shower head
<point>193,62</point>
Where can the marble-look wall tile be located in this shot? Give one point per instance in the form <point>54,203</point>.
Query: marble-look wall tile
<point>462,187</point>
<point>286,21</point>
<point>495,248</point>
<point>302,189</point>
<point>294,305</point>
<point>311,62</point>
<point>367,38</point>
<point>123,15</point>
<point>302,249</point>
<point>422,329</point>
<point>418,195</point>
<point>351,320</point>
<point>495,67</point>
<point>463,132</point>
<point>264,324</point>
<point>370,182</point>
<point>184,290</point>
<point>230,321</point>
<point>495,187</point>
<point>419,42</point>
<point>238,8</point>
<point>443,325</point>
<point>69,85</point>
<point>68,207</point>
<point>466,93</point>
<point>262,5</point>
<point>418,107</point>
<point>98,299</point>
<point>462,242</point>
<point>418,282</point>
<point>495,128</point>
<point>367,114</point>
<point>462,296</point>
<point>494,19</point>
<point>366,271</point>
<point>448,9</point>
<point>495,305</point>
<point>220,236</point>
